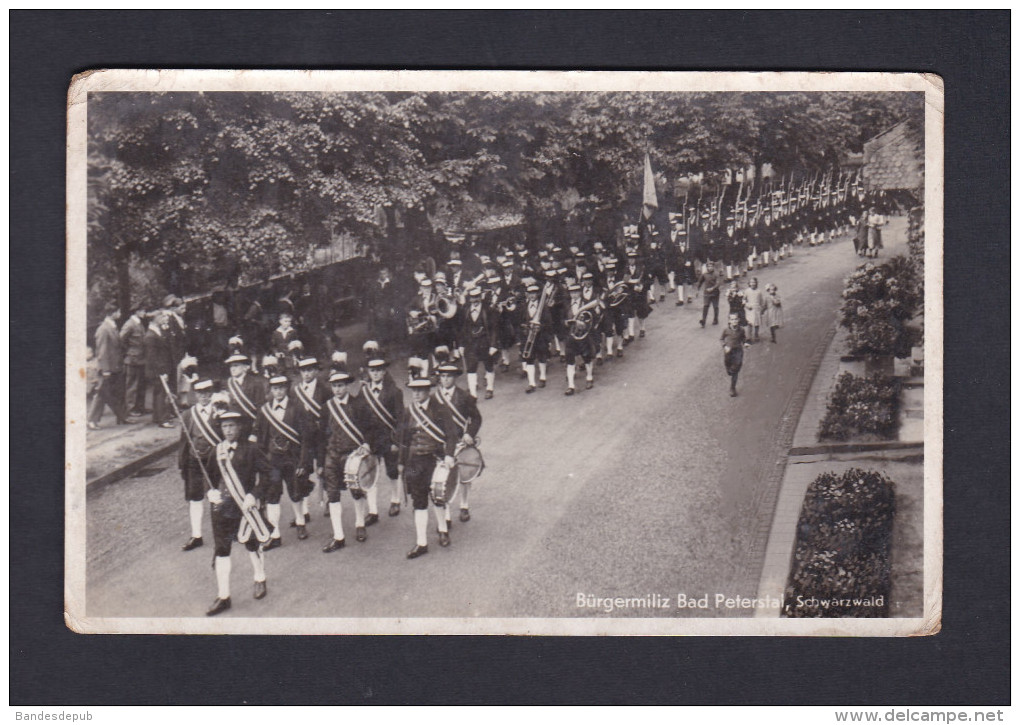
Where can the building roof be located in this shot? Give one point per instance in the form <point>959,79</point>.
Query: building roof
<point>894,159</point>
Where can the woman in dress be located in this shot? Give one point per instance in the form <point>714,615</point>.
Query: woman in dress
<point>773,309</point>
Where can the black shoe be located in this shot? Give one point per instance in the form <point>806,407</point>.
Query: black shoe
<point>679,303</point>
<point>359,534</point>
<point>715,322</point>
<point>626,341</point>
<point>733,393</point>
<point>417,551</point>
<point>465,515</point>
<point>444,538</point>
<point>701,322</point>
<point>371,519</point>
<point>619,353</point>
<point>302,533</point>
<point>488,395</point>
<point>589,385</point>
<point>220,605</point>
<point>662,297</point>
<point>193,543</point>
<point>394,509</point>
<point>568,391</point>
<point>598,361</point>
<point>541,383</point>
<point>260,590</point>
<point>333,545</point>
<point>641,334</point>
<point>530,389</point>
<point>273,544</point>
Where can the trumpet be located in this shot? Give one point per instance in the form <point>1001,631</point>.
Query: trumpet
<point>508,304</point>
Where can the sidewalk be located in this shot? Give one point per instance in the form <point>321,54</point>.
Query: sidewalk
<point>901,460</point>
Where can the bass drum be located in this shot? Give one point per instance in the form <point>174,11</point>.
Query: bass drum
<point>360,472</point>
<point>470,464</point>
<point>444,483</point>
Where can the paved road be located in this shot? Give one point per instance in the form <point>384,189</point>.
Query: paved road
<point>652,482</point>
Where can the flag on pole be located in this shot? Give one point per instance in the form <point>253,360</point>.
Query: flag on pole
<point>650,200</point>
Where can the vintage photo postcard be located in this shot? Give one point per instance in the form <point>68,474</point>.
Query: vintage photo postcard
<point>514,353</point>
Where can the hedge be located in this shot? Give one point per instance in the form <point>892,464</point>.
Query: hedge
<point>841,565</point>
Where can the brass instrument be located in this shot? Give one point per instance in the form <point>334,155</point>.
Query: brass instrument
<point>585,320</point>
<point>445,306</point>
<point>507,304</point>
<point>618,294</point>
<point>535,324</point>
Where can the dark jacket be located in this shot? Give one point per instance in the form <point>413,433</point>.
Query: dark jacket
<point>390,400</point>
<point>415,441</point>
<point>466,406</point>
<point>338,441</point>
<point>252,469</point>
<point>200,434</point>
<point>158,355</point>
<point>277,447</point>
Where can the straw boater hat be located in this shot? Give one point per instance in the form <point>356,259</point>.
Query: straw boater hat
<point>448,370</point>
<point>419,384</point>
<point>279,380</point>
<point>340,376</point>
<point>238,359</point>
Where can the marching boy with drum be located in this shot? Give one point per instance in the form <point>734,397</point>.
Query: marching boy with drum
<point>464,410</point>
<point>353,438</point>
<point>428,439</point>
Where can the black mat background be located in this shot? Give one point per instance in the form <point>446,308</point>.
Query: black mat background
<point>966,664</point>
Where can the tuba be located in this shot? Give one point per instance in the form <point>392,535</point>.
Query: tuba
<point>585,321</point>
<point>445,306</point>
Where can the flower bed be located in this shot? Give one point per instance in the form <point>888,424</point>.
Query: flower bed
<point>878,301</point>
<point>861,408</point>
<point>841,565</point>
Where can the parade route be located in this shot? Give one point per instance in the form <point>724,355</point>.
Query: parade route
<point>653,482</point>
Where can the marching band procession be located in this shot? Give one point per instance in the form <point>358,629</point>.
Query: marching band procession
<point>314,426</point>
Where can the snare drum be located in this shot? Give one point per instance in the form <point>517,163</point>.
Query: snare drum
<point>470,463</point>
<point>360,471</point>
<point>444,482</point>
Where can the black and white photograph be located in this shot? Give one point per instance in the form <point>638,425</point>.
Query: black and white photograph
<point>465,352</point>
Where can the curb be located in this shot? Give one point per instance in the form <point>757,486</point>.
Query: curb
<point>128,469</point>
<point>834,448</point>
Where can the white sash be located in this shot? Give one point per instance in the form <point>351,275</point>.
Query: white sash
<point>345,422</point>
<point>458,418</point>
<point>242,400</point>
<point>379,409</point>
<point>285,430</point>
<point>252,518</point>
<point>310,405</point>
<point>427,424</point>
<point>207,431</point>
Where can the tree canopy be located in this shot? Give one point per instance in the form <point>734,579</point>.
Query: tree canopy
<point>198,183</point>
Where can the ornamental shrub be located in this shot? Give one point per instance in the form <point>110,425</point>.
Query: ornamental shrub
<point>878,301</point>
<point>861,407</point>
<point>844,535</point>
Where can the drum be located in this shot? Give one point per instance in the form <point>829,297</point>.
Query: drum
<point>360,471</point>
<point>470,464</point>
<point>444,482</point>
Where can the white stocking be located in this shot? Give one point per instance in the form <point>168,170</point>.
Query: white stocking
<point>222,567</point>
